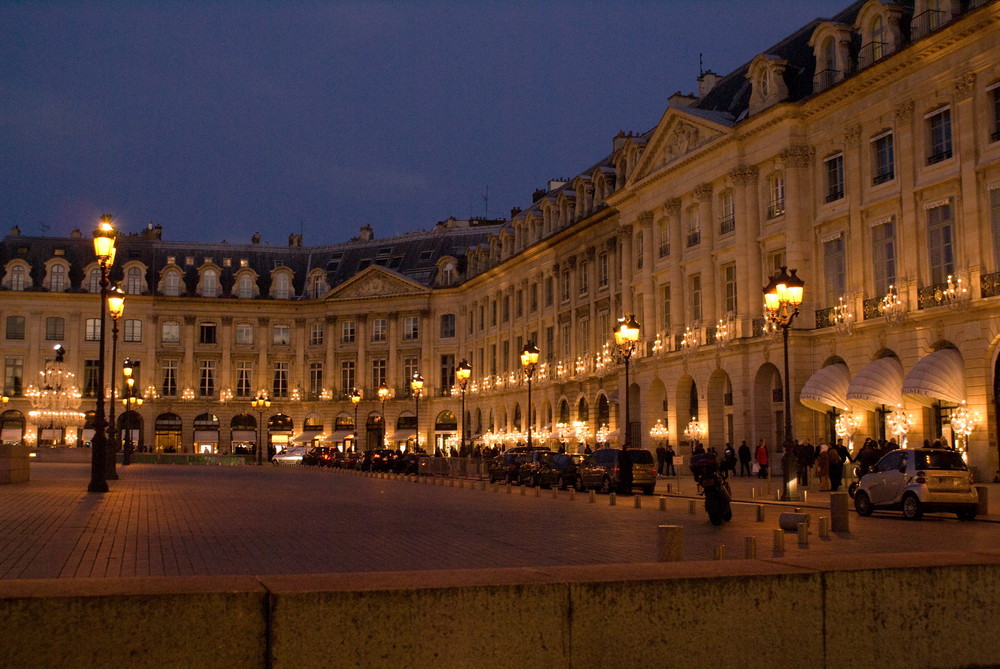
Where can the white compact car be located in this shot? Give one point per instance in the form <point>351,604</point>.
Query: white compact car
<point>916,480</point>
<point>289,456</point>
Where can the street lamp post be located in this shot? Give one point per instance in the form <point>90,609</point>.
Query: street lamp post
<point>104,249</point>
<point>529,361</point>
<point>116,307</point>
<point>132,401</point>
<point>417,386</point>
<point>782,297</point>
<point>383,395</point>
<point>356,395</point>
<point>626,336</point>
<point>462,374</point>
<point>260,403</point>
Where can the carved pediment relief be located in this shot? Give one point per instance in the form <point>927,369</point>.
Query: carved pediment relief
<point>375,282</point>
<point>678,135</point>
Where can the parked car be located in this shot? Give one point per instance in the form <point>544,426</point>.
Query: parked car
<point>529,466</point>
<point>291,455</point>
<point>559,470</point>
<point>378,460</point>
<point>319,456</point>
<point>349,460</point>
<point>412,463</point>
<point>600,471</point>
<point>918,480</point>
<point>504,467</point>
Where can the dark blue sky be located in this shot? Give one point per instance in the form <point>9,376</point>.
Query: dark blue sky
<point>217,119</point>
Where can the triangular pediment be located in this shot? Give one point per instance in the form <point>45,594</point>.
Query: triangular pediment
<point>374,282</point>
<point>681,132</point>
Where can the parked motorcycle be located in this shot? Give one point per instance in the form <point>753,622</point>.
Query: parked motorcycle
<point>714,485</point>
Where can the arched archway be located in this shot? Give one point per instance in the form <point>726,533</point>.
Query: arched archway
<point>279,432</point>
<point>375,431</point>
<point>167,437</point>
<point>206,433</point>
<point>12,426</point>
<point>242,433</point>
<point>656,407</point>
<point>129,429</point>
<point>445,425</point>
<point>720,409</point>
<point>768,407</point>
<point>687,409</point>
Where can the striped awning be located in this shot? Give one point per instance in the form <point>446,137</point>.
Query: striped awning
<point>827,389</point>
<point>939,376</point>
<point>878,383</point>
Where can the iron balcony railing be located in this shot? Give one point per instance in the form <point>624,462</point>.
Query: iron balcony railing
<point>872,53</point>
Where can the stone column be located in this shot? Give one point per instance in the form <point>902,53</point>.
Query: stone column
<point>627,266</point>
<point>912,219</point>
<point>707,247</point>
<point>226,358</point>
<point>263,374</point>
<point>361,371</point>
<point>798,210</point>
<point>748,260</point>
<point>678,303</point>
<point>648,316</point>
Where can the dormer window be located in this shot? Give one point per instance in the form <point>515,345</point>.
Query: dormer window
<point>767,74</point>
<point>881,35</point>
<point>831,43</point>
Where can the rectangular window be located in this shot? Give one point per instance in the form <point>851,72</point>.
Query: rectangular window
<point>505,355</point>
<point>694,227</point>
<point>565,341</point>
<point>727,215</point>
<point>170,332</point>
<point>132,330</point>
<point>834,177</point>
<point>244,334</point>
<point>550,343</point>
<point>533,297</point>
<point>279,381</point>
<point>411,328</point>
<point>244,378</point>
<point>378,372</point>
<point>206,378</point>
<point>281,335</point>
<point>207,333</point>
<point>505,309</point>
<point>379,329</point>
<point>775,261</point>
<point>317,334</point>
<point>93,330</point>
<point>582,336</point>
<point>409,369</point>
<point>776,196</point>
<point>549,291</point>
<point>584,286</point>
<point>347,332</point>
<point>665,307</point>
<point>315,379</point>
<point>884,256</point>
<point>939,129</point>
<point>995,223</point>
<point>694,292</point>
<point>995,135</point>
<point>493,313</point>
<point>169,386</point>
<point>603,270</point>
<point>447,371</point>
<point>447,326</point>
<point>346,377</point>
<point>13,376</point>
<point>90,368</point>
<point>883,157</point>
<point>518,304</point>
<point>729,287</point>
<point>639,249</point>
<point>564,286</point>
<point>55,328</point>
<point>940,237</point>
<point>834,270</point>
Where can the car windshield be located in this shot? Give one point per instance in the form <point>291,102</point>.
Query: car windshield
<point>641,457</point>
<point>940,460</point>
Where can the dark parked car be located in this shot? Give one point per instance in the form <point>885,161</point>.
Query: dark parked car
<point>378,460</point>
<point>559,470</point>
<point>600,471</point>
<point>320,456</point>
<point>412,463</point>
<point>505,466</point>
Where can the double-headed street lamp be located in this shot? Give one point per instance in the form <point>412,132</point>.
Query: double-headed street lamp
<point>132,401</point>
<point>356,395</point>
<point>529,361</point>
<point>462,374</point>
<point>626,337</point>
<point>104,249</point>
<point>383,395</point>
<point>260,404</point>
<point>782,296</point>
<point>417,388</point>
<point>116,307</point>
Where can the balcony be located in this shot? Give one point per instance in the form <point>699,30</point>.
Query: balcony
<point>824,318</point>
<point>758,326</point>
<point>825,79</point>
<point>926,23</point>
<point>664,249</point>
<point>694,238</point>
<point>727,225</point>
<point>872,53</point>
<point>776,208</point>
<point>938,157</point>
<point>871,308</point>
<point>882,177</point>
<point>989,284</point>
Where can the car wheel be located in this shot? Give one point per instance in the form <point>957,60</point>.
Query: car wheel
<point>852,489</point>
<point>911,507</point>
<point>966,514</point>
<point>578,484</point>
<point>862,504</point>
<point>606,487</point>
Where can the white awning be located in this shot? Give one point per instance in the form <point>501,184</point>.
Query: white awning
<point>938,376</point>
<point>402,435</point>
<point>306,437</point>
<point>11,434</point>
<point>878,383</point>
<point>827,388</point>
<point>339,435</point>
<point>245,435</point>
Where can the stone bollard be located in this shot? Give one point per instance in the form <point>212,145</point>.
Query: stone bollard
<point>777,495</point>
<point>508,487</point>
<point>637,501</point>
<point>824,527</point>
<point>691,507</point>
<point>753,493</point>
<point>590,497</point>
<point>612,499</point>
<point>750,548</point>
<point>538,491</point>
<point>572,494</point>
<point>670,543</point>
<point>803,532</point>
<point>984,500</point>
<point>555,493</point>
<point>840,515</point>
<point>719,552</point>
<point>760,513</point>
<point>779,541</point>
<point>789,522</point>
<point>663,504</point>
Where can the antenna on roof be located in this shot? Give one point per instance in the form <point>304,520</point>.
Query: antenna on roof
<point>486,200</point>
<point>701,70</point>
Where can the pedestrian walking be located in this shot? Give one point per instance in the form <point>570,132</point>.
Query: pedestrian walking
<point>670,470</point>
<point>761,457</point>
<point>744,454</point>
<point>823,467</point>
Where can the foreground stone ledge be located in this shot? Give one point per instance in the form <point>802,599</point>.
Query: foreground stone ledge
<point>796,612</point>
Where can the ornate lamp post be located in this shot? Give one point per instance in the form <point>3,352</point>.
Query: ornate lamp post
<point>104,249</point>
<point>132,401</point>
<point>356,395</point>
<point>782,297</point>
<point>529,362</point>
<point>260,403</point>
<point>462,374</point>
<point>116,307</point>
<point>626,337</point>
<point>383,395</point>
<point>417,387</point>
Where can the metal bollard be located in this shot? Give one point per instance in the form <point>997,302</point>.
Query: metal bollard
<point>590,498</point>
<point>840,514</point>
<point>805,496</point>
<point>777,495</point>
<point>663,504</point>
<point>803,531</point>
<point>691,506</point>
<point>750,548</point>
<point>760,513</point>
<point>669,543</point>
<point>637,501</point>
<point>824,527</point>
<point>669,486</point>
<point>753,493</point>
<point>779,541</point>
<point>572,494</point>
<point>612,499</point>
<point>555,493</point>
<point>719,552</point>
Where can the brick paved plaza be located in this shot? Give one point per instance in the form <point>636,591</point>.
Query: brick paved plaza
<point>174,520</point>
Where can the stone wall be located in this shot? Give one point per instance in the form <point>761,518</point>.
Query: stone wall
<point>14,464</point>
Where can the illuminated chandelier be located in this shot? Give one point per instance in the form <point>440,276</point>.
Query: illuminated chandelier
<point>56,400</point>
<point>843,319</point>
<point>659,432</point>
<point>954,295</point>
<point>892,307</point>
<point>899,423</point>
<point>963,423</point>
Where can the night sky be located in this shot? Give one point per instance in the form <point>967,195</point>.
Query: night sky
<point>217,119</point>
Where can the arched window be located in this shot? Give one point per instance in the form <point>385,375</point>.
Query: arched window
<point>282,286</point>
<point>244,289</point>
<point>57,278</point>
<point>17,274</point>
<point>172,284</point>
<point>133,281</point>
<point>878,38</point>
<point>94,281</point>
<point>209,283</point>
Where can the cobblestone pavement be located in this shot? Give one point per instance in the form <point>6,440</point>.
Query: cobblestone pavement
<point>161,520</point>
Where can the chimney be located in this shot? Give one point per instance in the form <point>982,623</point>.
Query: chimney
<point>706,82</point>
<point>538,194</point>
<point>515,211</point>
<point>366,234</point>
<point>678,99</point>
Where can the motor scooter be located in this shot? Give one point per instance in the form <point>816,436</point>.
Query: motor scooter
<point>714,485</point>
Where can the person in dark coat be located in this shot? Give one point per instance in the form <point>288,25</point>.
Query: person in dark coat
<point>744,454</point>
<point>835,458</point>
<point>625,472</point>
<point>670,470</point>
<point>661,459</point>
